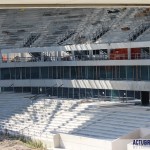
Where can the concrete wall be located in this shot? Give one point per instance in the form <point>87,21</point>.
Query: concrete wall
<point>94,84</point>
<point>72,142</point>
<point>142,62</point>
<point>47,142</point>
<point>121,143</point>
<point>57,140</point>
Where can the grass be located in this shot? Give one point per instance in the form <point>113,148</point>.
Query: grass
<point>34,144</point>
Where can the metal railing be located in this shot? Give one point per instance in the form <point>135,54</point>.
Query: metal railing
<point>79,58</point>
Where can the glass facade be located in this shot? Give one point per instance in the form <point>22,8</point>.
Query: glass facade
<point>79,93</point>
<point>136,73</point>
<point>133,73</point>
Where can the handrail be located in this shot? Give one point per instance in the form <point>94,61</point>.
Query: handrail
<point>80,58</point>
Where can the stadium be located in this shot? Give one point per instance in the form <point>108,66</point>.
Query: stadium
<point>76,78</point>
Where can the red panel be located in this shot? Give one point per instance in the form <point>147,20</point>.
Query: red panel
<point>4,58</point>
<point>119,54</point>
<point>135,53</point>
<point>122,53</point>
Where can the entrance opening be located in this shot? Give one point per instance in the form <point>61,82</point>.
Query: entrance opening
<point>145,98</point>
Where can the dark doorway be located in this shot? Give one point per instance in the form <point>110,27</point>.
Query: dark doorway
<point>145,98</point>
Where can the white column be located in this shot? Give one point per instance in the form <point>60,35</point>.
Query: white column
<point>23,57</point>
<point>129,53</point>
<point>108,53</point>
<point>73,57</point>
<point>8,57</point>
<point>91,54</point>
<point>56,55</point>
<point>42,56</point>
<point>59,55</point>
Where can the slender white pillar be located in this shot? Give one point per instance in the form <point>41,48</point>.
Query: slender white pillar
<point>59,55</point>
<point>129,53</point>
<point>91,54</point>
<point>8,57</point>
<point>23,57</point>
<point>108,53</point>
<point>42,56</point>
<point>56,55</point>
<point>73,57</point>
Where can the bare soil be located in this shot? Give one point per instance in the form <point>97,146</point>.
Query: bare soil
<point>12,144</point>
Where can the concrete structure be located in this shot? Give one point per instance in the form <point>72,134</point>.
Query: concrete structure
<point>86,124</point>
<point>79,66</point>
<point>108,2</point>
<point>77,54</point>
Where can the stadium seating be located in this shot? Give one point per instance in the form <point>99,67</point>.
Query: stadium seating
<point>48,27</point>
<point>45,117</point>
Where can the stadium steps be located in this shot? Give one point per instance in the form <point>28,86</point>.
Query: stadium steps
<point>46,117</point>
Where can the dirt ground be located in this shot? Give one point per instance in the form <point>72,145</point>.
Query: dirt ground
<point>10,144</point>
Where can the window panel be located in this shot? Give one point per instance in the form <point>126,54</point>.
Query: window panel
<point>90,72</point>
<point>137,95</point>
<point>18,89</point>
<point>28,73</point>
<point>65,92</point>
<point>26,89</point>
<point>130,72</point>
<point>55,72</point>
<point>34,72</point>
<point>13,73</point>
<point>130,95</point>
<point>73,72</point>
<point>95,93</point>
<point>82,93</point>
<point>122,72</point>
<point>5,73</point>
<point>102,92</point>
<point>89,93</point>
<point>137,73</point>
<point>115,94</point>
<point>59,92</point>
<point>71,93</point>
<point>23,73</point>
<point>76,93</point>
<point>44,72</point>
<point>59,72</point>
<point>109,72</point>
<point>102,73</point>
<point>144,72</point>
<point>50,72</point>
<point>35,90</point>
<point>18,73</point>
<point>67,72</point>
<point>49,91</point>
